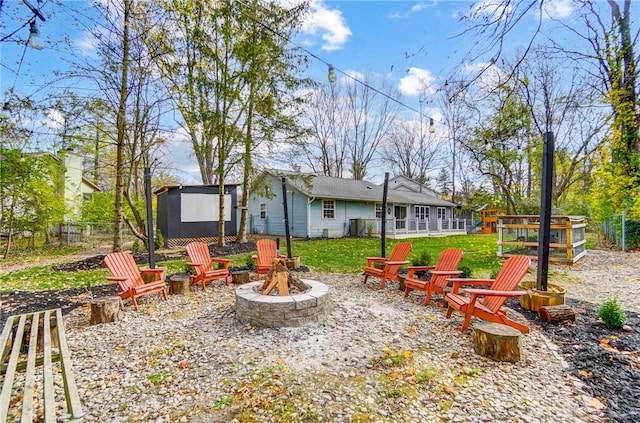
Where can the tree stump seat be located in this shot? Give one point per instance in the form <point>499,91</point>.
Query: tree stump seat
<point>497,341</point>
<point>106,310</point>
<point>179,284</point>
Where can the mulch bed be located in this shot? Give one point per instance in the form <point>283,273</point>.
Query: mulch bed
<point>605,360</point>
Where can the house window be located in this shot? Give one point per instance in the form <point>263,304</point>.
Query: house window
<point>379,211</point>
<point>328,209</point>
<point>263,210</point>
<point>442,213</point>
<point>422,213</point>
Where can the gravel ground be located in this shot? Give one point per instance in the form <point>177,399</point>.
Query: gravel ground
<point>378,357</point>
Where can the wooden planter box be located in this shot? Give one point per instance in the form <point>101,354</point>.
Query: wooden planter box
<point>293,262</point>
<point>534,299</point>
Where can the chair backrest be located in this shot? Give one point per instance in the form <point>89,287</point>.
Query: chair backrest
<point>267,251</point>
<point>448,261</point>
<point>198,252</point>
<point>123,265</point>
<point>512,272</point>
<point>400,252</point>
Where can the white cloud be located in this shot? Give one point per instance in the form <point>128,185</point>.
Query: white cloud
<point>417,81</point>
<point>491,74</point>
<point>557,9</point>
<point>87,44</point>
<point>55,120</point>
<point>329,23</point>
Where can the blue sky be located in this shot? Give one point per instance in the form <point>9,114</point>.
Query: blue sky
<point>413,44</point>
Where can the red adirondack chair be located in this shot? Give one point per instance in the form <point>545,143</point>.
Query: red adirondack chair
<point>130,279</point>
<point>267,252</point>
<point>202,262</point>
<point>486,304</point>
<point>445,268</point>
<point>387,268</point>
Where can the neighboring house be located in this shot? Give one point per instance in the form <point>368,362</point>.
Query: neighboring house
<point>77,188</point>
<point>188,213</point>
<point>322,206</point>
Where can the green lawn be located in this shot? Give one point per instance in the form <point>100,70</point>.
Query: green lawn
<point>344,255</point>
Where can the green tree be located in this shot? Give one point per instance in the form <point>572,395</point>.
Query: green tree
<point>30,193</point>
<point>497,147</point>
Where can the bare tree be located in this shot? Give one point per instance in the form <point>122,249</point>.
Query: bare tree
<point>455,117</point>
<point>560,102</point>
<point>411,150</point>
<point>326,147</point>
<point>369,113</point>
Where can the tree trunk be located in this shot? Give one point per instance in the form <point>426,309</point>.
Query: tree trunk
<point>121,120</point>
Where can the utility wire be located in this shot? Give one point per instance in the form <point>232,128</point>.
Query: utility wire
<point>315,56</point>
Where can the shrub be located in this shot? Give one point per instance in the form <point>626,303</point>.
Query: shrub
<point>466,272</point>
<point>136,246</point>
<point>612,314</point>
<point>248,261</point>
<point>423,259</point>
<point>189,270</point>
<point>158,240</point>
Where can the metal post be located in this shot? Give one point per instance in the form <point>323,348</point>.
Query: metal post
<point>544,234</point>
<point>286,217</point>
<point>624,232</point>
<point>150,237</point>
<point>383,232</point>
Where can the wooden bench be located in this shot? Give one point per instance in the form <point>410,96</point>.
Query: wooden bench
<point>31,343</point>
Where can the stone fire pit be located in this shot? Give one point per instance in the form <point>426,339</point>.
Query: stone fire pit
<point>299,309</point>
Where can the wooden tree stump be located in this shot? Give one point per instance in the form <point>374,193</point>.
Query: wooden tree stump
<point>105,310</point>
<point>557,313</point>
<point>240,277</point>
<point>179,284</point>
<point>497,342</point>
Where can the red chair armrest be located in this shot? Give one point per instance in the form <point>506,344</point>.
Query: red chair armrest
<point>222,261</point>
<point>116,279</point>
<point>491,293</point>
<point>466,281</point>
<point>156,270</point>
<point>371,260</point>
<point>446,272</point>
<point>414,269</point>
<point>395,263</point>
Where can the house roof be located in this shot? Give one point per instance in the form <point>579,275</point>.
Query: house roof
<point>358,190</point>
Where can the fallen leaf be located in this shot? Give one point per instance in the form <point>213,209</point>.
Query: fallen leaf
<point>604,341</point>
<point>585,373</point>
<point>595,403</point>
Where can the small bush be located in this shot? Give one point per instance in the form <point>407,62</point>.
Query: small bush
<point>612,314</point>
<point>189,270</point>
<point>248,261</point>
<point>466,272</point>
<point>494,273</point>
<point>136,246</point>
<point>158,240</point>
<point>423,259</point>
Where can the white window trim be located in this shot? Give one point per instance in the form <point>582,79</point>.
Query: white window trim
<point>333,209</point>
